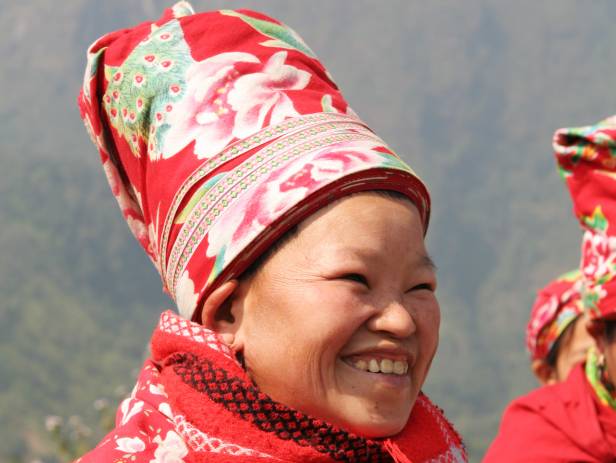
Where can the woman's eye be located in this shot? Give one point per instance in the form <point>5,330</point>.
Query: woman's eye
<point>426,286</point>
<point>355,277</point>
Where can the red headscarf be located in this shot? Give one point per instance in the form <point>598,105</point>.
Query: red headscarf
<point>219,131</point>
<point>586,158</point>
<point>555,308</point>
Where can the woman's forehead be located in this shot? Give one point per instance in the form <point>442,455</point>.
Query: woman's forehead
<point>364,227</point>
<point>365,209</point>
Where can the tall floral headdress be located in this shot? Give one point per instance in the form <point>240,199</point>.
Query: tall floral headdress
<point>218,132</point>
<point>586,158</point>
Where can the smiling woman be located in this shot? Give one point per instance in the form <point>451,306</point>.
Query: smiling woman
<point>360,360</point>
<point>291,239</point>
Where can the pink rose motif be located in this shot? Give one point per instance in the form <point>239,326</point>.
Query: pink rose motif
<point>546,311</point>
<point>295,183</point>
<point>170,450</point>
<point>229,96</point>
<point>254,95</point>
<point>287,185</point>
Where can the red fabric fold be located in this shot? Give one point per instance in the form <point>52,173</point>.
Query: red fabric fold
<point>558,423</point>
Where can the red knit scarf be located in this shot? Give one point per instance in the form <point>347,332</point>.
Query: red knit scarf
<point>194,403</point>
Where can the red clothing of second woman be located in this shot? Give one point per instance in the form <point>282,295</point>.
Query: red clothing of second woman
<point>563,422</point>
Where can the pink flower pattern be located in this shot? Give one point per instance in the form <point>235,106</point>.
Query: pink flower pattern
<point>221,103</point>
<point>282,189</point>
<point>555,307</point>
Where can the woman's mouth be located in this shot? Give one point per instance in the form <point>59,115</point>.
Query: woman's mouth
<point>382,365</point>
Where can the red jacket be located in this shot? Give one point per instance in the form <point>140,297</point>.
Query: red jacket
<point>559,423</point>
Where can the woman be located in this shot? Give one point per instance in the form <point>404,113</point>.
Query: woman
<point>556,335</point>
<point>291,239</point>
<point>576,420</point>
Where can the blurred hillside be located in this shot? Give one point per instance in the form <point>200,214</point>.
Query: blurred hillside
<point>468,93</point>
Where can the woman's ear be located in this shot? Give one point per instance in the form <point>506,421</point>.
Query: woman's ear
<point>218,311</point>
<point>544,372</point>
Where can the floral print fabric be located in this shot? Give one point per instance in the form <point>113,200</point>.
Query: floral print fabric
<point>221,105</point>
<point>555,308</point>
<point>217,132</point>
<point>586,158</point>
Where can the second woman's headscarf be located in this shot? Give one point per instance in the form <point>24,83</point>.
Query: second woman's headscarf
<point>557,306</point>
<point>586,158</point>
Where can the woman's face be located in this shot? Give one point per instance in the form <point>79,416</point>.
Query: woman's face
<point>342,321</point>
<point>606,344</point>
<point>574,349</point>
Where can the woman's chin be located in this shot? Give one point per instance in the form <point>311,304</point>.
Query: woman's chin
<point>376,428</point>
<point>362,416</point>
<point>370,404</point>
<point>371,420</point>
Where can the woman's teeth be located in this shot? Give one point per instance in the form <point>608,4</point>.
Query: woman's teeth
<point>387,366</point>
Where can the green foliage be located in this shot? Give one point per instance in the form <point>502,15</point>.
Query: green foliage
<point>72,437</point>
<point>66,336</point>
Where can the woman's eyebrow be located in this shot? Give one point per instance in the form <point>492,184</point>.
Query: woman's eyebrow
<point>423,260</point>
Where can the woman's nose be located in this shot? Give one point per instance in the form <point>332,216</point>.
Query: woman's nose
<point>393,319</point>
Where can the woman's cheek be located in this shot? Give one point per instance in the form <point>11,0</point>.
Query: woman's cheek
<point>425,310</point>
<point>428,320</point>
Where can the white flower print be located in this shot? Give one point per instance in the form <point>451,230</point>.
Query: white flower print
<point>170,450</point>
<point>158,389</point>
<point>130,444</point>
<point>185,295</point>
<point>599,253</point>
<point>254,95</point>
<point>165,409</point>
<point>128,410</point>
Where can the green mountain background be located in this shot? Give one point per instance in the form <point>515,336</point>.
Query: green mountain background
<point>469,93</point>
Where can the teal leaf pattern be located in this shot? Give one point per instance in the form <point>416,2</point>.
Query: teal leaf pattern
<point>146,87</point>
<point>326,104</point>
<point>282,36</point>
<point>597,221</point>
